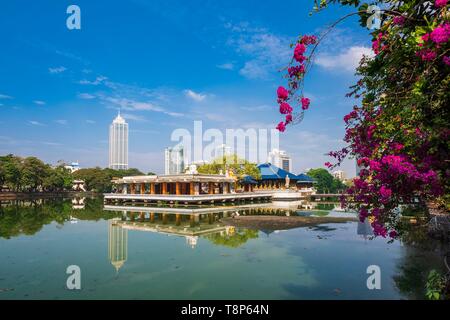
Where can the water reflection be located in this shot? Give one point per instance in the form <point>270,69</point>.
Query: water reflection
<point>117,245</point>
<point>125,247</point>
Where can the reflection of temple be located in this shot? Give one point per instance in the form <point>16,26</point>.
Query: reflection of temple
<point>117,244</point>
<point>78,203</point>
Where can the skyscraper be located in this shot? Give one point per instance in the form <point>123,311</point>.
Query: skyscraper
<point>118,143</point>
<point>174,160</point>
<point>280,159</point>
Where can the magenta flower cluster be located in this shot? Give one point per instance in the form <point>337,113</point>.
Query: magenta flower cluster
<point>295,73</point>
<point>433,42</point>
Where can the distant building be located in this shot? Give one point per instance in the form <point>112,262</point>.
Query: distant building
<point>74,166</point>
<point>340,175</point>
<point>174,160</point>
<point>118,143</point>
<point>358,168</point>
<point>280,159</point>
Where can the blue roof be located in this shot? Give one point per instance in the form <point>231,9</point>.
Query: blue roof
<point>303,178</point>
<point>271,172</point>
<point>248,180</point>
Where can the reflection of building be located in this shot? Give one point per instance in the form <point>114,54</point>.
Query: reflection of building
<point>117,244</point>
<point>192,241</point>
<point>118,143</point>
<point>78,203</point>
<point>174,160</point>
<point>339,174</point>
<point>364,228</point>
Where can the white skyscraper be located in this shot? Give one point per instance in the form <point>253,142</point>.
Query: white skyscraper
<point>118,143</point>
<point>280,159</point>
<point>174,160</point>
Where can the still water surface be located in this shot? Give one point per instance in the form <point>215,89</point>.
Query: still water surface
<point>131,255</point>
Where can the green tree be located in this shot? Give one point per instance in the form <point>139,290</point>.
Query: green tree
<point>33,173</point>
<point>99,180</point>
<point>11,171</point>
<point>325,182</point>
<point>239,167</point>
<point>60,179</point>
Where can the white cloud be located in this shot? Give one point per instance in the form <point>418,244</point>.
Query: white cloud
<point>54,144</point>
<point>90,121</point>
<point>86,96</point>
<point>254,70</point>
<point>135,105</point>
<point>57,70</point>
<point>263,107</point>
<point>266,52</point>
<point>4,96</point>
<point>194,95</point>
<point>61,122</point>
<point>347,60</point>
<point>98,80</point>
<point>39,102</point>
<point>226,66</point>
<point>133,117</point>
<point>36,123</point>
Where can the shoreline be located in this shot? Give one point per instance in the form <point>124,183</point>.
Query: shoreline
<point>281,222</point>
<point>4,196</point>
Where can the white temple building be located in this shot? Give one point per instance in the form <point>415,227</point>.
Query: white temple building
<point>118,143</point>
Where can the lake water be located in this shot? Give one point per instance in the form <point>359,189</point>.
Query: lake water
<point>147,255</point>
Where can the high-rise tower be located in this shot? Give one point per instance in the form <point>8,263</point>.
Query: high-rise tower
<point>118,143</point>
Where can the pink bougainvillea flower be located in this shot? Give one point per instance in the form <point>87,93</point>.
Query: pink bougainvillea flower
<point>441,33</point>
<point>285,108</point>
<point>282,93</point>
<point>426,54</point>
<point>307,40</point>
<point>385,194</point>
<point>281,127</point>
<point>376,44</point>
<point>446,60</point>
<point>399,20</point>
<point>299,50</point>
<point>440,3</point>
<point>288,118</point>
<point>296,71</point>
<point>305,103</point>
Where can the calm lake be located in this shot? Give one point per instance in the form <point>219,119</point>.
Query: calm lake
<point>158,254</point>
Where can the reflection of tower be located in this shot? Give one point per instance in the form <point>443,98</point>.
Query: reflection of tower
<point>117,245</point>
<point>191,241</point>
<point>364,228</point>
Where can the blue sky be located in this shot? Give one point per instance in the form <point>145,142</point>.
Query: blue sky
<point>166,64</point>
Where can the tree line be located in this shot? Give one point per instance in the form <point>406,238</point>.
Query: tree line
<point>30,174</point>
